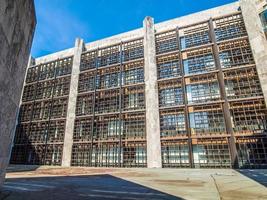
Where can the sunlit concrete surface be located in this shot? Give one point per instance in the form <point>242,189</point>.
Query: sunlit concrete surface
<point>106,183</point>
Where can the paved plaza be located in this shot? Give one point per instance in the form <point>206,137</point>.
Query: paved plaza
<point>40,183</point>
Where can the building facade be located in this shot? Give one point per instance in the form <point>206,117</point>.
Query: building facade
<point>188,92</point>
<point>17,25</point>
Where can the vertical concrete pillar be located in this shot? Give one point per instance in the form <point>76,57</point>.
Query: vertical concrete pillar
<point>151,96</point>
<point>257,40</point>
<point>68,138</point>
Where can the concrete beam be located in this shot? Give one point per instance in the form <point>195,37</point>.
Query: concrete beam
<point>257,40</point>
<point>151,96</point>
<point>69,129</point>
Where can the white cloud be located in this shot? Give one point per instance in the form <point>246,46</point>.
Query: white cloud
<point>56,29</point>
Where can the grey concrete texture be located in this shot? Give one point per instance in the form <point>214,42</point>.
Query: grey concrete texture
<point>257,40</point>
<point>69,129</point>
<point>151,94</point>
<point>132,184</point>
<point>17,24</point>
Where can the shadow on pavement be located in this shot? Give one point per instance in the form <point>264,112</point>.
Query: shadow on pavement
<point>94,187</point>
<point>258,175</point>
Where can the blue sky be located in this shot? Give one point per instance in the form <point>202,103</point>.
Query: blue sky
<point>59,22</point>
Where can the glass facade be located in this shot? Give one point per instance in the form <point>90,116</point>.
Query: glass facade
<point>41,125</point>
<point>215,74</point>
<point>210,102</point>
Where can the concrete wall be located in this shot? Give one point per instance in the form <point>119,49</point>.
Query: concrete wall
<point>257,39</point>
<point>17,24</point>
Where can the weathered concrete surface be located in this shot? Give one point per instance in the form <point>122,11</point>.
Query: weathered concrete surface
<point>69,129</point>
<point>107,183</point>
<point>151,94</point>
<point>257,40</point>
<point>17,24</point>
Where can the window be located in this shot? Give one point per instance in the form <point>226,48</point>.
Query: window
<point>108,77</point>
<point>235,53</point>
<point>199,64</point>
<point>64,66</point>
<point>263,17</point>
<point>109,56</point>
<point>242,83</point>
<point>207,120</point>
<point>134,125</point>
<point>215,154</point>
<point>249,117</point>
<point>133,50</point>
<point>195,39</point>
<point>88,60</point>
<point>172,124</point>
<point>133,100</point>
<point>32,74</point>
<point>86,82</point>
<point>83,129</point>
<point>230,27</point>
<point>47,71</point>
<point>168,66</point>
<point>169,69</point>
<point>197,93</point>
<point>171,96</point>
<point>175,155</point>
<point>114,128</point>
<point>252,152</point>
<point>166,42</point>
<point>140,155</point>
<point>182,40</point>
<point>111,80</point>
<point>228,32</point>
<point>84,105</point>
<point>133,76</point>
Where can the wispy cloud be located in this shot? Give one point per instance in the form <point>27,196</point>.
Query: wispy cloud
<point>59,22</point>
<point>56,30</point>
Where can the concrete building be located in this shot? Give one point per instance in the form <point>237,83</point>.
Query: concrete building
<point>188,92</point>
<point>17,24</point>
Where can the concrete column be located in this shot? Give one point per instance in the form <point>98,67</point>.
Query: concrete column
<point>151,96</point>
<point>257,40</point>
<point>68,139</point>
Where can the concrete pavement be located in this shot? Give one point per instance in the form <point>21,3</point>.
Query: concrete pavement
<point>129,184</point>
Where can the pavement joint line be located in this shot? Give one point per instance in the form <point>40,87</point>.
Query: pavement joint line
<point>216,185</point>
